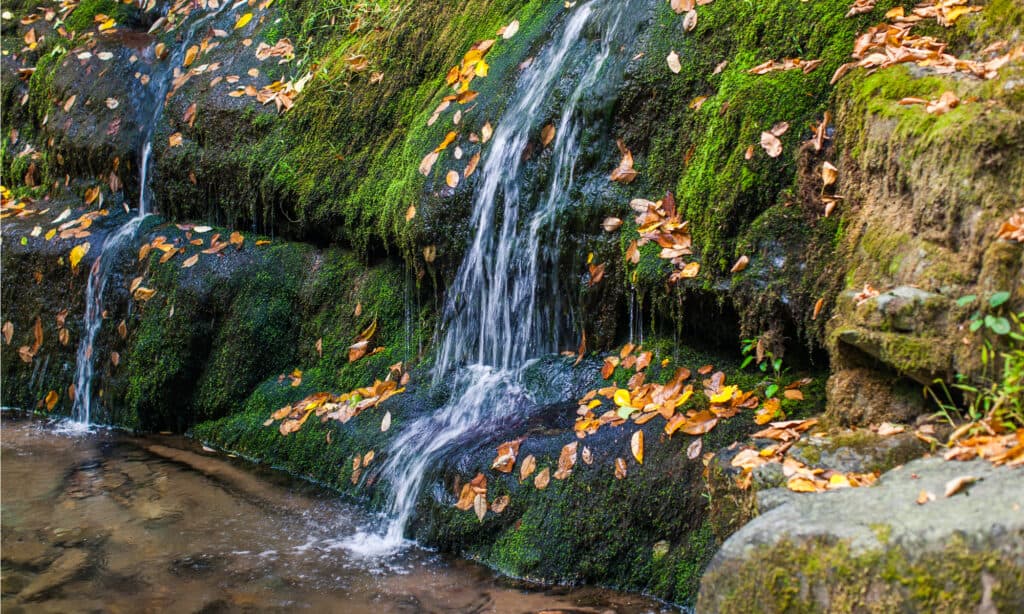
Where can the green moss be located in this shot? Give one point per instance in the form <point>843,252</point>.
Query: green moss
<point>83,17</point>
<point>818,576</point>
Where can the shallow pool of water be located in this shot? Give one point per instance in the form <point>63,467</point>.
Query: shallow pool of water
<point>108,522</point>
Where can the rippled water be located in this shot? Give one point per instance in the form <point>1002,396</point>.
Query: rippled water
<point>107,522</point>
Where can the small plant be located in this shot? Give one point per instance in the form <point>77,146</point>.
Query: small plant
<point>767,362</point>
<point>997,394</point>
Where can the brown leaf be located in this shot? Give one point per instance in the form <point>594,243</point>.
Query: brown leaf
<point>587,456</point>
<point>474,160</point>
<point>51,400</point>
<point>620,468</point>
<point>547,134</point>
<point>174,140</point>
<point>506,458</point>
<point>596,273</point>
<point>957,484</point>
<point>741,264</point>
<point>543,479</point>
<point>924,497</point>
<point>636,446</point>
<point>566,461</point>
<point>428,163</point>
<point>190,261</point>
<point>8,332</point>
<point>624,173</point>
<point>793,395</point>
<point>498,505</point>
<point>452,179</point>
<point>529,464</point>
<point>817,308</point>
<point>829,174</point>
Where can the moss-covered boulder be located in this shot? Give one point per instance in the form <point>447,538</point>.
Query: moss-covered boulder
<point>880,549</point>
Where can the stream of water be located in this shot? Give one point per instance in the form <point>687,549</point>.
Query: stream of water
<point>504,308</point>
<point>151,99</point>
<point>107,522</point>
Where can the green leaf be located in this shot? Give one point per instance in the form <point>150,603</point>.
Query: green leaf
<point>625,411</point>
<point>963,301</point>
<point>999,326</point>
<point>746,361</point>
<point>998,299</point>
<point>770,391</point>
<point>975,325</point>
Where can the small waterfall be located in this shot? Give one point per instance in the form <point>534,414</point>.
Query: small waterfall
<point>504,307</point>
<point>100,272</point>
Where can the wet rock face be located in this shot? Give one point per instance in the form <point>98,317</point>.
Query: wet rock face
<point>880,549</point>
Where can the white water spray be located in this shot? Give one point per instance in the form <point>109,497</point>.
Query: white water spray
<point>115,243</point>
<point>503,308</point>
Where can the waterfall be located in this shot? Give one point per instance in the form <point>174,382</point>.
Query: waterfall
<point>117,241</point>
<point>504,307</point>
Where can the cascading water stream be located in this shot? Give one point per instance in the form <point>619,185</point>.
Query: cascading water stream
<point>102,267</point>
<point>503,307</point>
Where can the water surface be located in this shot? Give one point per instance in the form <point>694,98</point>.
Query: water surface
<point>108,522</point>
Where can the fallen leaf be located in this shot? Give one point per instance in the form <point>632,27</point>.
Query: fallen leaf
<point>624,172</point>
<point>887,428</point>
<point>611,224</point>
<point>566,461</point>
<point>115,358</point>
<point>529,464</point>
<point>620,468</point>
<point>817,308</point>
<point>8,332</point>
<point>741,264</point>
<point>51,400</point>
<point>474,160</point>
<point>673,62</point>
<point>77,253</point>
<point>510,30</point>
<point>428,163</point>
<point>385,423</point>
<point>410,213</point>
<point>690,21</point>
<point>693,450</point>
<point>924,497</point>
<point>506,458</point>
<point>957,484</point>
<point>547,134</point>
<point>174,140</point>
<point>587,456</point>
<point>636,446</point>
<point>452,179</point>
<point>498,505</point>
<point>793,395</point>
<point>480,506</point>
<point>829,174</point>
<point>771,144</point>
<point>243,21</point>
<point>190,261</point>
<point>543,479</point>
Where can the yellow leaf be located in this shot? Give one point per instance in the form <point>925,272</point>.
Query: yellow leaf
<point>106,25</point>
<point>636,446</point>
<point>724,395</point>
<point>243,21</point>
<point>190,55</point>
<point>174,140</point>
<point>621,398</point>
<point>798,483</point>
<point>77,253</point>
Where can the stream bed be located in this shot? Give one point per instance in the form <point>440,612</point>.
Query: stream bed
<point>110,522</point>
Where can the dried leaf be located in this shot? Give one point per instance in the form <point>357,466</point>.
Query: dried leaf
<point>529,464</point>
<point>480,506</point>
<point>636,446</point>
<point>829,174</point>
<point>385,424</point>
<point>190,261</point>
<point>510,30</point>
<point>771,144</point>
<point>452,179</point>
<point>174,140</point>
<point>673,62</point>
<point>77,253</point>
<point>242,21</point>
<point>498,505</point>
<point>547,134</point>
<point>543,479</point>
<point>8,332</point>
<point>690,21</point>
<point>693,450</point>
<point>611,224</point>
<point>624,172</point>
<point>474,160</point>
<point>741,264</point>
<point>957,484</point>
<point>620,468</point>
<point>51,400</point>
